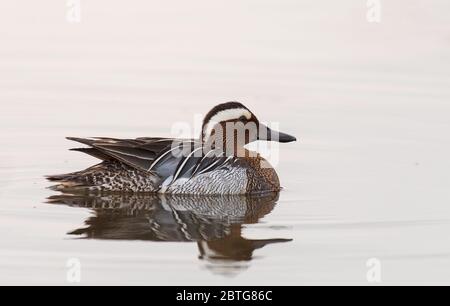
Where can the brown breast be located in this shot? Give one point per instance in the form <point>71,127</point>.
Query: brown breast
<point>261,175</point>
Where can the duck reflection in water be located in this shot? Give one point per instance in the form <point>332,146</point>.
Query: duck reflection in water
<point>215,223</point>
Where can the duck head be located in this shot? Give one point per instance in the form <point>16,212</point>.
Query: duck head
<point>230,126</point>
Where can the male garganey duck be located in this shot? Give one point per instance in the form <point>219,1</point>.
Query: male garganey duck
<point>215,164</point>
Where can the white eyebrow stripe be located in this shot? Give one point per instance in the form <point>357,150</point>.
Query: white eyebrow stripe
<point>225,115</point>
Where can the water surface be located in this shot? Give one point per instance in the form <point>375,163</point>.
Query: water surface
<point>368,178</point>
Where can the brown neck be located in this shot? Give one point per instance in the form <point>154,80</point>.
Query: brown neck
<point>228,139</point>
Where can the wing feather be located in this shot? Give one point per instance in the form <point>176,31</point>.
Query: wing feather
<point>138,153</point>
<point>166,157</point>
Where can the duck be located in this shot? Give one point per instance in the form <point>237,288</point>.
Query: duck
<point>217,163</point>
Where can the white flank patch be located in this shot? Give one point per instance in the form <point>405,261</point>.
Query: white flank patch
<point>225,115</point>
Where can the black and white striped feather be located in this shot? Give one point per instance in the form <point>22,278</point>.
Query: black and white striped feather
<point>165,157</point>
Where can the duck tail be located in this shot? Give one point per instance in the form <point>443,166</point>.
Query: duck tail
<point>66,182</point>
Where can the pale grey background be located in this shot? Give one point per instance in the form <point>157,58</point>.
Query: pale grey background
<point>369,102</point>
